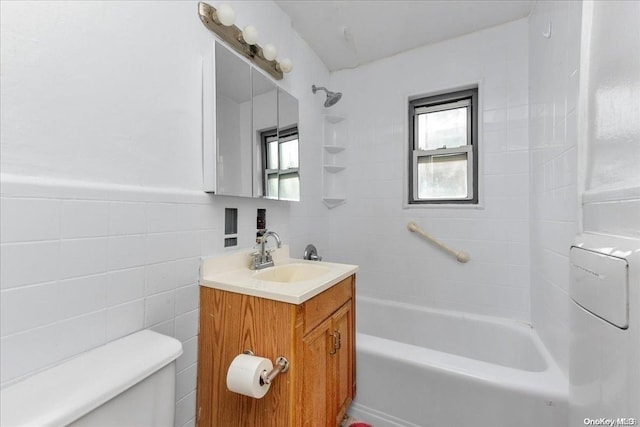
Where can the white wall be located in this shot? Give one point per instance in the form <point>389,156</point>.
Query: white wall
<point>553,92</point>
<point>610,90</point>
<point>370,229</point>
<point>103,217</point>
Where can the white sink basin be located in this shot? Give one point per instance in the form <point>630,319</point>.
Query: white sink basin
<point>290,280</point>
<point>291,273</point>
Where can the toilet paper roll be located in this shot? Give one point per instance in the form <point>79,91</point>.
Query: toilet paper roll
<point>243,375</point>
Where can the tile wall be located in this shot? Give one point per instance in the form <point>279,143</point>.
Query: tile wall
<point>370,229</point>
<point>103,221</point>
<point>81,269</point>
<point>553,92</point>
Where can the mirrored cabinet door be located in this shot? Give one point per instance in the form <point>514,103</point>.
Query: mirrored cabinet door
<point>234,174</point>
<point>250,131</point>
<point>265,129</point>
<point>288,173</point>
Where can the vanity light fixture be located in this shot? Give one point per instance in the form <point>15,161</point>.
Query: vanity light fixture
<point>225,15</point>
<point>269,51</point>
<point>250,35</point>
<point>285,65</point>
<point>245,41</point>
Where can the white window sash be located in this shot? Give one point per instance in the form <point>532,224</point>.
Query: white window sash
<point>444,152</point>
<point>443,107</point>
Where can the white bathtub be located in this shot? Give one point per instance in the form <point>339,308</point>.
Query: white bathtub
<point>421,367</point>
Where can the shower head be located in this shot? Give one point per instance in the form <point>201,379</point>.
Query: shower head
<point>332,97</point>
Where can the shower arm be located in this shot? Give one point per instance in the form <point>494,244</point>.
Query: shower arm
<point>332,97</point>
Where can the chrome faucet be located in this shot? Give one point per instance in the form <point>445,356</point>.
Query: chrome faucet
<point>263,258</point>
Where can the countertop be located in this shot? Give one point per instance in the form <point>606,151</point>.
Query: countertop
<point>232,273</point>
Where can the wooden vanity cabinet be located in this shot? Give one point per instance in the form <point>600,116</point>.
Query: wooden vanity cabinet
<point>317,337</point>
<point>328,349</point>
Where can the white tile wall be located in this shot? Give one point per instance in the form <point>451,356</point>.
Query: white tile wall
<point>127,251</point>
<point>28,307</point>
<point>66,290</point>
<point>84,219</point>
<point>103,219</point>
<point>370,229</point>
<point>125,319</point>
<point>553,92</point>
<point>81,295</point>
<point>127,218</point>
<point>81,257</point>
<point>29,220</point>
<point>125,285</point>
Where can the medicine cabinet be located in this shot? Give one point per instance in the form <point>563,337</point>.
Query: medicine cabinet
<point>250,131</point>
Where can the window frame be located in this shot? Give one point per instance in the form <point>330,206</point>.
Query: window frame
<point>281,136</point>
<point>442,102</point>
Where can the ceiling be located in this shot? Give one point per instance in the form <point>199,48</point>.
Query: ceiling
<point>346,34</point>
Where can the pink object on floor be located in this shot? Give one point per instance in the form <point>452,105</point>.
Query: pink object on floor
<point>357,424</point>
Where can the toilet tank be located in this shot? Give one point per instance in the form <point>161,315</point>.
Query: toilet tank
<point>128,382</point>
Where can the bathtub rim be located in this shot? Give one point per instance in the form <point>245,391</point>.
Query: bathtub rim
<point>452,362</point>
<point>550,382</point>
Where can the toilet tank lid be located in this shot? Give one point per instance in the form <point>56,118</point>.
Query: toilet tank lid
<point>67,392</point>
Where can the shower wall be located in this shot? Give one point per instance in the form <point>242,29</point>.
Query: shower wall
<point>611,93</point>
<point>370,229</point>
<point>610,126</point>
<point>554,73</point>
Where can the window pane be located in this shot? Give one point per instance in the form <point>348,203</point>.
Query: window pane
<point>272,154</point>
<point>272,186</point>
<point>439,129</point>
<point>289,187</point>
<point>442,177</point>
<point>289,154</point>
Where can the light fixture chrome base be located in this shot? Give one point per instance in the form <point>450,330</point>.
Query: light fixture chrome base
<point>233,36</point>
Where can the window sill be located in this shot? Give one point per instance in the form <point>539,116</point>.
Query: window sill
<point>478,206</point>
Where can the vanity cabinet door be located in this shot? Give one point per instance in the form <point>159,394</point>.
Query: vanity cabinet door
<point>342,360</point>
<point>328,369</point>
<point>316,379</point>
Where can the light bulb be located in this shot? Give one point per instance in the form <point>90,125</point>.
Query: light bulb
<point>286,66</point>
<point>226,15</point>
<point>250,34</point>
<point>269,52</point>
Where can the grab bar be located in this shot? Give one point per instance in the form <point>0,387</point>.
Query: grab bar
<point>461,256</point>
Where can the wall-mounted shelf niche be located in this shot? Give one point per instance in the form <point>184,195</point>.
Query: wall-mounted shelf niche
<point>334,149</point>
<point>334,136</point>
<point>334,168</point>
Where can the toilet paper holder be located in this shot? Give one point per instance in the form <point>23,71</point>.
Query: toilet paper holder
<point>280,367</point>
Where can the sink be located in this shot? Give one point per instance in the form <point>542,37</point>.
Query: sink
<point>292,280</point>
<point>291,273</point>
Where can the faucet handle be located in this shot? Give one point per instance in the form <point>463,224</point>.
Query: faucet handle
<point>256,257</point>
<point>311,253</point>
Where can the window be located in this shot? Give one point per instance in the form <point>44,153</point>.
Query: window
<point>443,148</point>
<point>281,173</point>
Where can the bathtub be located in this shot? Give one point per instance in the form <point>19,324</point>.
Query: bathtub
<point>424,367</point>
